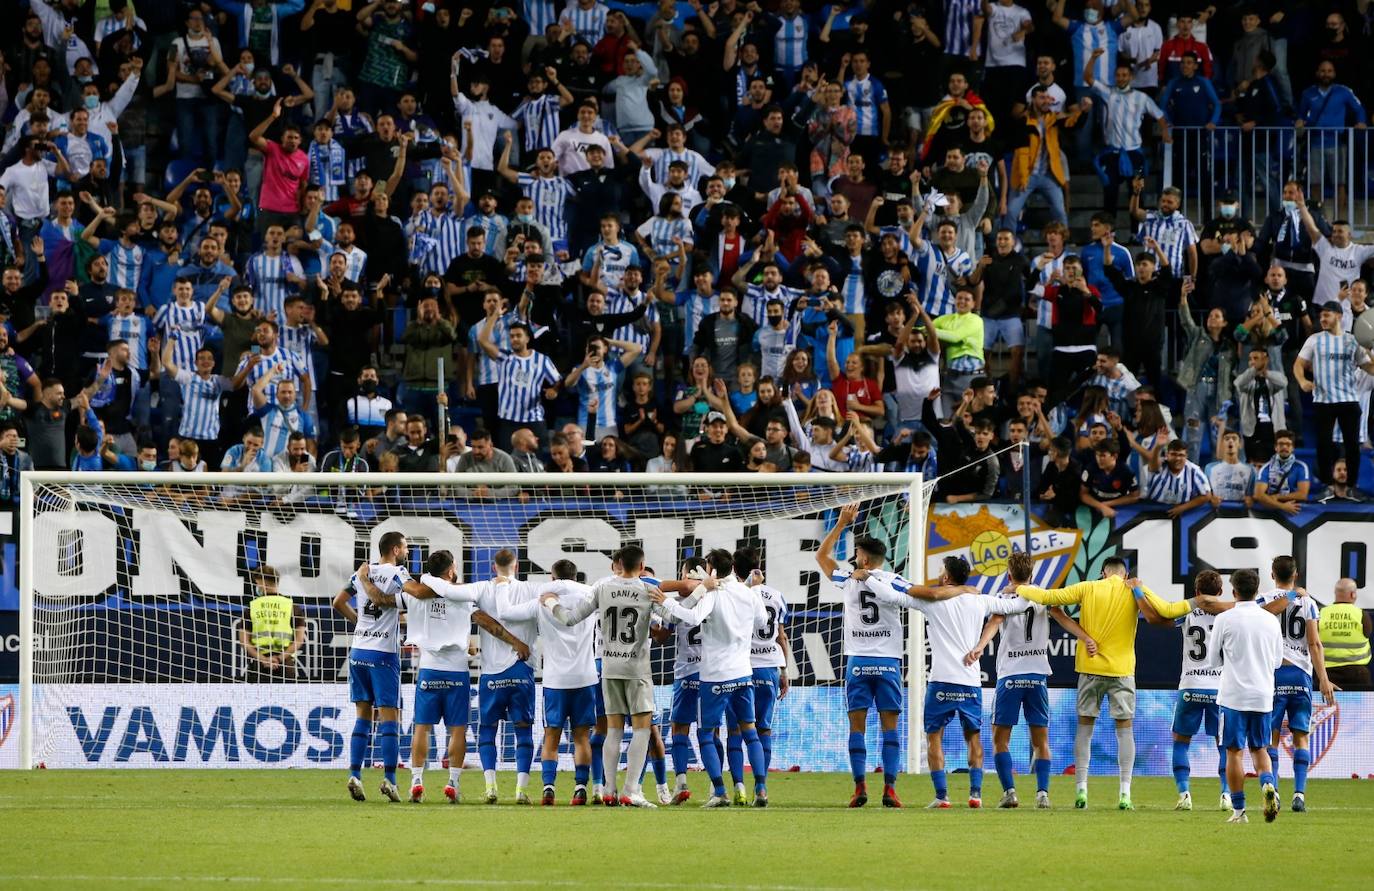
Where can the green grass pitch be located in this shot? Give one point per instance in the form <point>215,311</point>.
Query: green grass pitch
<point>265,828</point>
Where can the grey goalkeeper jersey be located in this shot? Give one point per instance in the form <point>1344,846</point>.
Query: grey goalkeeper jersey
<point>625,610</point>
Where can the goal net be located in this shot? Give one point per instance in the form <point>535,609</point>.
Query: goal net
<point>136,647</point>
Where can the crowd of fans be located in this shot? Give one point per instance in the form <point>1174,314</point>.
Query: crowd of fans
<point>779,236</point>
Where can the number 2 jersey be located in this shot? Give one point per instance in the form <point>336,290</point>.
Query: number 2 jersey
<point>1201,667</point>
<point>872,627</point>
<point>1293,627</point>
<point>764,650</point>
<point>379,627</point>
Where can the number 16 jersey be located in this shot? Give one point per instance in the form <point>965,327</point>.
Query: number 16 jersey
<point>871,627</point>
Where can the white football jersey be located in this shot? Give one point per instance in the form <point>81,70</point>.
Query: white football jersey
<point>872,627</point>
<point>728,616</point>
<point>953,627</point>
<point>1024,647</point>
<point>379,628</point>
<point>1293,623</point>
<point>441,626</point>
<point>766,652</point>
<point>569,650</point>
<point>497,599</point>
<point>1201,662</point>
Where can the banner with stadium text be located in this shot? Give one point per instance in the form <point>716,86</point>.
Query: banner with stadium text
<point>307,725</point>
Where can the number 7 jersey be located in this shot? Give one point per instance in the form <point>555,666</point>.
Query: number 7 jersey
<point>871,627</point>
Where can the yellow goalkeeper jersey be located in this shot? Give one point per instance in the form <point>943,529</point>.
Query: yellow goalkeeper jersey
<point>1110,616</point>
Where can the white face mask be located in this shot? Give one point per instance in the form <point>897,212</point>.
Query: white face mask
<point>1090,16</point>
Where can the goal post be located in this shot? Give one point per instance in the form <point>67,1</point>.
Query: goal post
<point>135,590</point>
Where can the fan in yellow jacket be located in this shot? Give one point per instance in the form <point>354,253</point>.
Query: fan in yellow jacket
<point>1110,615</point>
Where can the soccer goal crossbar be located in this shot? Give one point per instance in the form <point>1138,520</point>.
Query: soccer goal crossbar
<point>135,589</point>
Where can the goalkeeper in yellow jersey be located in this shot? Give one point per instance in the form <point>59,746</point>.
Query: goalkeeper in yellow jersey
<point>1110,615</point>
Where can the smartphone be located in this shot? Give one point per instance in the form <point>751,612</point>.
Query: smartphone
<point>255,349</point>
<point>1187,279</point>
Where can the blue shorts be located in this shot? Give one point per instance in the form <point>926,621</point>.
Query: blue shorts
<point>944,701</point>
<point>442,696</point>
<point>1011,331</point>
<point>686,696</point>
<point>375,677</point>
<point>873,681</point>
<point>765,699</point>
<point>600,698</point>
<point>507,696</point>
<point>576,706</point>
<point>1244,730</point>
<point>719,698</point>
<point>1292,698</point>
<point>1196,709</point>
<point>1018,694</point>
<point>766,682</point>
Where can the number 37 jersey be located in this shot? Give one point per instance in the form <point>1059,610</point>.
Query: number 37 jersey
<point>871,627</point>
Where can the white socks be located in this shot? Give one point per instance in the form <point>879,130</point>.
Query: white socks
<point>417,776</point>
<point>522,782</point>
<point>1082,754</point>
<point>454,774</point>
<point>610,759</point>
<point>639,753</point>
<point>1125,756</point>
<point>490,777</point>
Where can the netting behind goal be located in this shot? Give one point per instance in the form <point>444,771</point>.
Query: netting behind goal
<point>136,590</point>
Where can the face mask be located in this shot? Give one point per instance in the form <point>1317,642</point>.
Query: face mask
<point>1228,211</point>
<point>1290,206</point>
<point>524,217</point>
<point>92,102</point>
<point>1090,16</point>
<point>84,79</point>
<point>369,387</point>
<point>147,465</point>
<point>248,68</point>
<point>729,183</point>
<point>262,91</point>
<point>1226,248</point>
<point>432,292</point>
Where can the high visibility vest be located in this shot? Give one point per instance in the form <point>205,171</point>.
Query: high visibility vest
<point>1342,632</point>
<point>274,625</point>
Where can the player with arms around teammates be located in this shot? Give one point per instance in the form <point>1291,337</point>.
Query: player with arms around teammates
<point>727,682</point>
<point>374,661</point>
<point>686,680</point>
<point>627,685</point>
<point>1251,652</point>
<point>1303,660</point>
<point>873,647</point>
<point>570,679</point>
<point>439,618</point>
<point>770,651</point>
<point>955,614</point>
<point>1023,670</point>
<point>1196,708</point>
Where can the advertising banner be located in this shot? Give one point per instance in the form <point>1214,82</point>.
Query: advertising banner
<point>250,726</point>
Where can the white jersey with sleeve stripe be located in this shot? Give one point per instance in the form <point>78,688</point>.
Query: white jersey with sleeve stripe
<point>379,627</point>
<point>766,652</point>
<point>1293,623</point>
<point>686,643</point>
<point>569,651</point>
<point>728,617</point>
<point>871,626</point>
<point>441,626</point>
<point>1025,644</point>
<point>1201,663</point>
<point>497,597</point>
<point>625,610</point>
